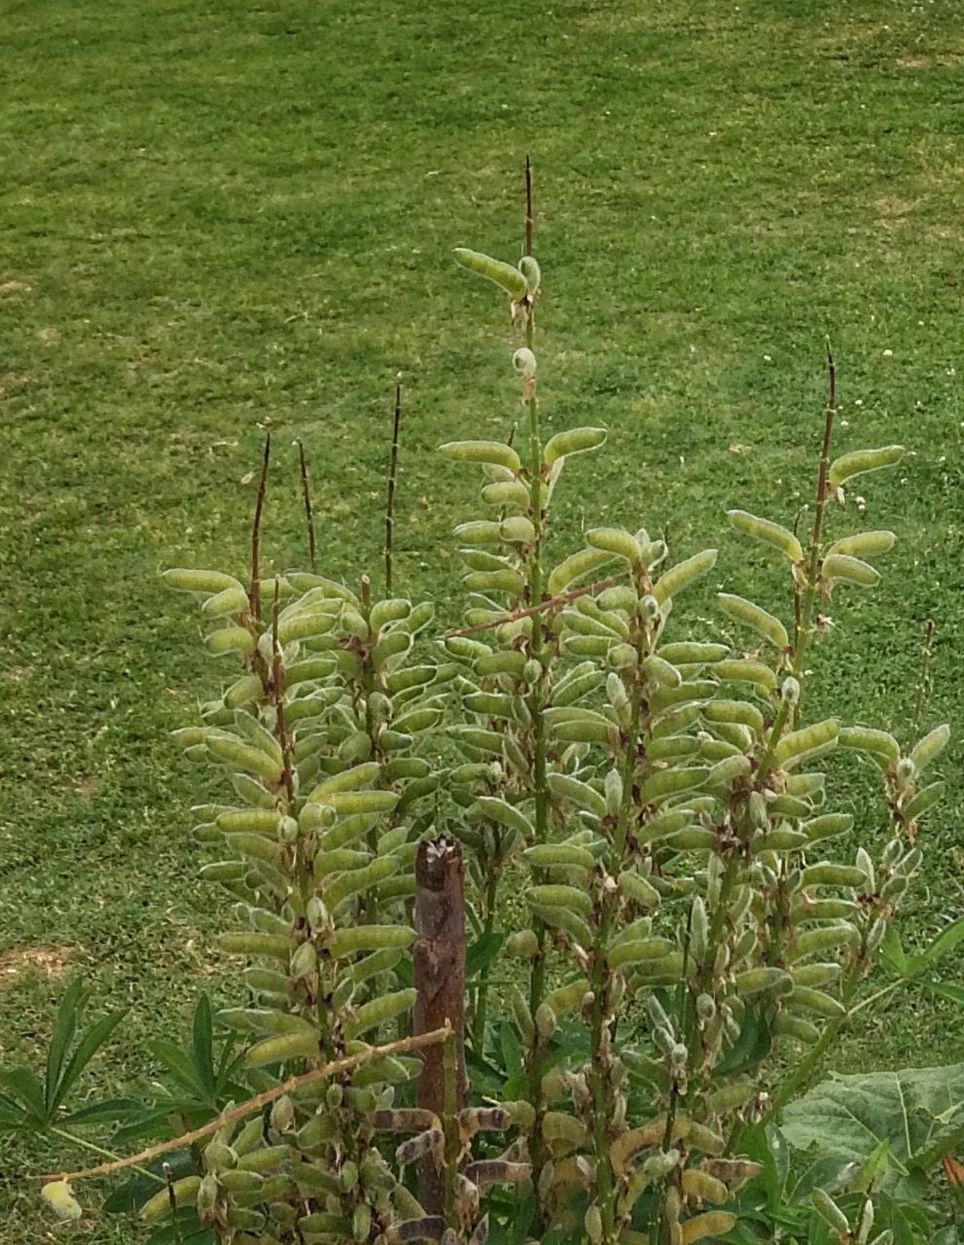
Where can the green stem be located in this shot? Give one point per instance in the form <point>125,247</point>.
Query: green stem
<point>66,1135</point>
<point>482,990</point>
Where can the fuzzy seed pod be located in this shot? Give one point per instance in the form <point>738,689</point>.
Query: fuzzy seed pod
<point>768,532</point>
<point>158,1208</point>
<point>510,279</point>
<point>573,441</point>
<point>524,363</point>
<point>830,1212</point>
<point>858,462</point>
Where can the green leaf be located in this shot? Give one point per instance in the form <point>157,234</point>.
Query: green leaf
<point>482,952</point>
<point>946,990</point>
<point>86,1049</point>
<point>101,1112</point>
<point>203,1040</point>
<point>893,954</point>
<point>946,941</point>
<point>179,1065</point>
<point>916,1111</point>
<point>751,1046</point>
<point>65,1026</point>
<point>27,1091</point>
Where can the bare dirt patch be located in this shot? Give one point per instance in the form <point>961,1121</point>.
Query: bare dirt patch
<point>17,962</point>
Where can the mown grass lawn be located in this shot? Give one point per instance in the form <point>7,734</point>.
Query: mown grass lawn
<point>217,217</point>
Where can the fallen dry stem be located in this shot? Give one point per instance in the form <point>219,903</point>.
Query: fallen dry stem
<point>233,1114</point>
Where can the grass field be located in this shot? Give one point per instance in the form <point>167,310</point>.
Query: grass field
<point>217,217</point>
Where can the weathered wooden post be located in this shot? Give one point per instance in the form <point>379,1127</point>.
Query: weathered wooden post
<point>439,970</point>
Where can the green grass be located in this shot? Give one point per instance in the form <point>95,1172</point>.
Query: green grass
<point>217,217</point>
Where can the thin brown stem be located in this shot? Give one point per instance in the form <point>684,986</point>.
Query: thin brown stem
<point>549,603</point>
<point>309,512</point>
<point>278,695</point>
<point>923,680</point>
<point>390,503</point>
<point>254,591</point>
<point>529,221</point>
<point>336,1068</point>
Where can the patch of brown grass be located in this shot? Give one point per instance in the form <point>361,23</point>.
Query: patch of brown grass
<point>17,962</point>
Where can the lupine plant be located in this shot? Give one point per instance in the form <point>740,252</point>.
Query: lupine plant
<point>691,947</point>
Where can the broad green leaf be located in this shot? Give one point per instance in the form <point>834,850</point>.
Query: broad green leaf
<point>917,1111</point>
<point>26,1089</point>
<point>101,1112</point>
<point>751,1046</point>
<point>65,1026</point>
<point>203,1041</point>
<point>85,1050</point>
<point>946,990</point>
<point>947,940</point>
<point>482,952</point>
<point>893,954</point>
<point>179,1064</point>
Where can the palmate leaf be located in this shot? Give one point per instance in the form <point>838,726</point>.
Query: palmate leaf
<point>918,1112</point>
<point>85,1050</point>
<point>27,1093</point>
<point>65,1026</point>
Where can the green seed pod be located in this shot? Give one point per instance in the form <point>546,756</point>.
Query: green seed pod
<point>827,874</point>
<point>565,919</point>
<point>565,998</point>
<point>573,441</point>
<point>480,532</point>
<point>545,1021</point>
<point>332,1227</point>
<point>786,1025</point>
<point>699,929</point>
<point>506,494</point>
<point>805,998</point>
<point>208,582</point>
<point>563,1133</point>
<point>550,855</point>
<point>181,1192</point>
<point>828,826</point>
<point>808,743</point>
<point>588,645</point>
<point>830,1212</point>
<point>860,461</point>
<point>510,279</point>
<point>504,813</point>
<point>345,942</point>
<point>230,640</point>
<point>615,540</point>
<point>923,801</point>
<point>728,1098</point>
<point>496,452</point>
<point>735,711</point>
<point>302,1044</point>
<point>521,1014</point>
<point>239,1181</point>
<point>755,617</point>
<point>277,946</point>
<point>357,881</point>
<point>244,691</point>
<point>746,672</point>
<point>636,952</point>
<point>563,787</point>
<point>637,888</point>
<point>682,574</point>
<point>815,974</point>
<point>361,1222</point>
<point>552,896</point>
<point>693,839</point>
<point>782,839</point>
<point>824,938</point>
<point>529,267</point>
<point>930,747</point>
<point>250,820</point>
<point>660,672</point>
<point>837,567</point>
<point>305,624</point>
<point>712,1223</point>
<point>231,751</point>
<point>864,544</point>
<point>728,771</point>
<point>593,1225</point>
<point>770,533</point>
<point>522,944</point>
<point>574,568</point>
<point>517,530</point>
<point>755,980</point>
<point>669,782</point>
<point>378,1011</point>
<point>705,1008</point>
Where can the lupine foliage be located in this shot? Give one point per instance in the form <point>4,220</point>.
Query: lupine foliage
<point>692,939</point>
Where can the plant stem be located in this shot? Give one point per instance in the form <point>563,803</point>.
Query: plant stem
<point>482,990</point>
<point>390,502</point>
<point>803,623</point>
<point>254,591</point>
<point>233,1115</point>
<point>309,513</point>
<point>96,1149</point>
